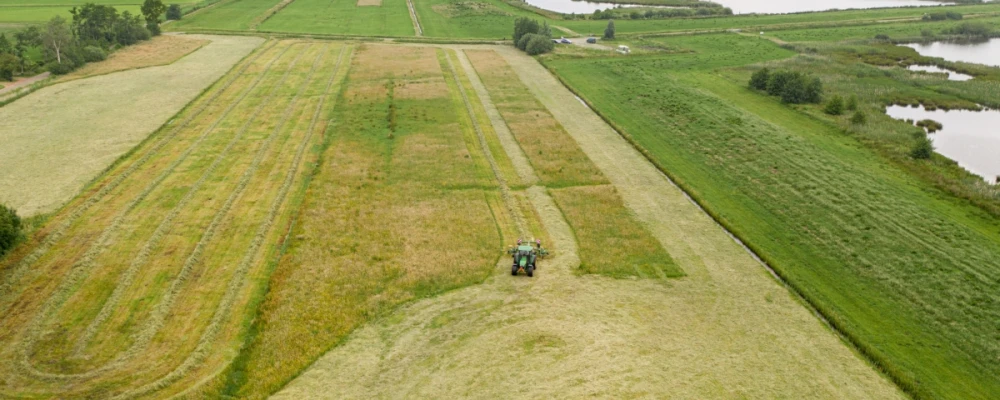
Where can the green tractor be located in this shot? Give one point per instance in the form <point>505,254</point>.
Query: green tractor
<point>525,256</point>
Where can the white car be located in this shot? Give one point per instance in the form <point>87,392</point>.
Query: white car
<point>565,41</point>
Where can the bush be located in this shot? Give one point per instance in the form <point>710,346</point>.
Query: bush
<point>759,79</point>
<point>609,32</point>
<point>793,87</point>
<point>923,149</point>
<point>971,29</point>
<point>858,118</point>
<point>8,64</point>
<point>94,53</point>
<point>835,106</point>
<point>852,103</point>
<point>524,26</point>
<point>882,37</point>
<point>174,12</point>
<point>538,44</point>
<point>66,67</point>
<point>522,44</point>
<point>10,228</point>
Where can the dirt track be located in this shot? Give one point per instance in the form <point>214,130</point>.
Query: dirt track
<point>727,330</point>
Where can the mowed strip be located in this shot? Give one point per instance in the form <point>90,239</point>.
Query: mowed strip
<point>205,227</point>
<point>60,137</point>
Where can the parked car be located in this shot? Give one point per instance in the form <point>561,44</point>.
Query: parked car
<point>565,41</point>
<point>591,40</point>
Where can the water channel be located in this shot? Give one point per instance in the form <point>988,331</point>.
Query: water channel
<point>952,75</point>
<point>741,6</point>
<point>969,137</point>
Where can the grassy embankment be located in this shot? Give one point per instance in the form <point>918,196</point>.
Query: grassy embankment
<point>404,206</point>
<point>142,284</point>
<point>907,272</point>
<point>611,240</point>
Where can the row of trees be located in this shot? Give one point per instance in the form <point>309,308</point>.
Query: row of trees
<point>93,31</point>
<point>793,87</point>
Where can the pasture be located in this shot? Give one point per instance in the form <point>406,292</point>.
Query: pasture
<point>907,272</point>
<point>342,17</point>
<point>37,14</point>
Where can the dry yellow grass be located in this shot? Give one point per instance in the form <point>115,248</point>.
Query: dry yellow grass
<point>369,3</point>
<point>60,137</point>
<point>160,50</point>
<point>554,155</point>
<point>142,286</point>
<point>401,209</point>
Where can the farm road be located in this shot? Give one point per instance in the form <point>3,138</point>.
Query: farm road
<point>727,330</point>
<point>22,83</point>
<point>60,137</point>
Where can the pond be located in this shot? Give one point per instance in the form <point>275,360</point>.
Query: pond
<point>740,6</point>
<point>969,137</point>
<point>985,52</point>
<point>952,75</point>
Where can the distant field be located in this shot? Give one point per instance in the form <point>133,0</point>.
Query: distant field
<point>342,17</point>
<point>160,50</point>
<point>228,15</point>
<point>909,273</point>
<point>489,19</point>
<point>38,14</point>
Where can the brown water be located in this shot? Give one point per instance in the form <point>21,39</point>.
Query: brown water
<point>952,75</point>
<point>985,52</point>
<point>969,137</point>
<point>742,6</point>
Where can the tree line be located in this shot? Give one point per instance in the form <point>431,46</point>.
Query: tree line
<point>93,31</point>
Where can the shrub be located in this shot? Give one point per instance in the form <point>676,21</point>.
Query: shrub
<point>524,26</point>
<point>10,228</point>
<point>794,87</point>
<point>522,44</point>
<point>882,37</point>
<point>94,53</point>
<point>65,67</point>
<point>858,118</point>
<point>852,103</point>
<point>923,149</point>
<point>8,64</point>
<point>931,125</point>
<point>609,32</point>
<point>835,106</point>
<point>971,29</point>
<point>538,44</point>
<point>174,12</point>
<point>759,79</point>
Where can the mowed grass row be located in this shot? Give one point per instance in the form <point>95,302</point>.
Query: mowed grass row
<point>342,17</point>
<point>402,207</point>
<point>167,253</point>
<point>908,273</point>
<point>611,240</point>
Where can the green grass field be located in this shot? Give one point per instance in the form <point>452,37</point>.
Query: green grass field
<point>39,14</point>
<point>342,17</point>
<point>488,19</point>
<point>230,15</point>
<point>909,273</point>
<point>895,31</point>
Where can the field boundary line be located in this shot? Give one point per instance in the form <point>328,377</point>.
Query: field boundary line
<point>6,289</point>
<point>261,19</point>
<point>238,280</point>
<point>799,295</point>
<point>79,269</point>
<point>417,29</point>
<point>512,207</point>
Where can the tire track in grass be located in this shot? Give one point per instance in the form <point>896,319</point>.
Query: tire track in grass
<point>239,276</point>
<point>78,272</point>
<point>7,292</point>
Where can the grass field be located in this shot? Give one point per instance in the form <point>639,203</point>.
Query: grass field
<point>895,31</point>
<point>342,17</point>
<point>229,15</point>
<point>564,335</point>
<point>906,271</point>
<point>43,13</point>
<point>488,19</point>
<point>61,137</point>
<point>142,285</point>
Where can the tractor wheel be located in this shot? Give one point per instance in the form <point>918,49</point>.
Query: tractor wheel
<point>513,270</point>
<point>530,270</point>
